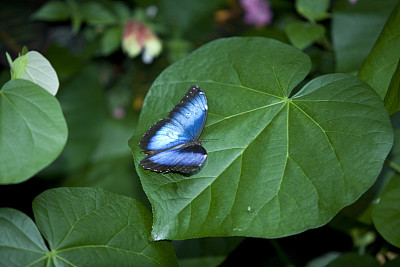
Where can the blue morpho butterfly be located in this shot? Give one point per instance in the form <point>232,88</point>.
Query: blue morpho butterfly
<point>173,144</point>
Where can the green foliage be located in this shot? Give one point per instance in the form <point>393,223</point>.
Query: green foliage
<point>381,68</point>
<point>290,142</point>
<point>33,131</point>
<point>292,135</point>
<point>82,226</point>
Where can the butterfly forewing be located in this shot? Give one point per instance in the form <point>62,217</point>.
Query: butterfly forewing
<point>172,144</point>
<point>191,112</point>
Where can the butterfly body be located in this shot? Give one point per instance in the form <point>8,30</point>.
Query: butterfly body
<point>173,144</point>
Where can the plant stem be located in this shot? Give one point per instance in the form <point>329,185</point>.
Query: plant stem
<point>393,165</point>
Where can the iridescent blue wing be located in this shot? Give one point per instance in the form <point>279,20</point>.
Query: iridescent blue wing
<point>183,159</point>
<point>185,123</point>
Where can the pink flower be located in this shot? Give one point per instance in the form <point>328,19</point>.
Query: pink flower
<point>139,38</point>
<point>257,12</point>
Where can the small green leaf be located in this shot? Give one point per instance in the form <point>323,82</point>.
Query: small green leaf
<point>111,40</point>
<point>39,70</point>
<point>24,50</point>
<point>83,227</point>
<point>76,15</point>
<point>386,215</point>
<point>313,10</point>
<point>302,34</point>
<point>18,67</point>
<point>32,130</point>
<point>263,174</point>
<point>96,13</point>
<point>52,11</point>
<point>381,68</point>
<point>10,61</point>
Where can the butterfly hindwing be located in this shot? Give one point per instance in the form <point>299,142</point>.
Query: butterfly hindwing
<point>172,144</point>
<point>183,159</point>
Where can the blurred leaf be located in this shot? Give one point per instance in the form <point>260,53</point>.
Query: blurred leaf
<point>263,175</point>
<point>111,40</point>
<point>76,15</point>
<point>59,56</point>
<point>111,165</point>
<point>204,251</point>
<point>84,227</point>
<point>313,10</point>
<point>381,68</point>
<point>302,34</point>
<point>188,15</point>
<point>97,13</point>
<point>117,175</point>
<point>82,102</point>
<point>114,138</point>
<point>353,259</point>
<point>52,11</point>
<point>178,49</point>
<point>39,71</point>
<point>386,215</point>
<point>122,11</point>
<point>355,29</point>
<point>323,260</point>
<point>32,130</point>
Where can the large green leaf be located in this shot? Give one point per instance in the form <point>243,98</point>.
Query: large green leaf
<point>32,130</point>
<point>280,164</point>
<point>355,29</point>
<point>381,68</point>
<point>83,227</point>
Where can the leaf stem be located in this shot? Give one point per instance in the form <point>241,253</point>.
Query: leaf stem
<point>393,165</point>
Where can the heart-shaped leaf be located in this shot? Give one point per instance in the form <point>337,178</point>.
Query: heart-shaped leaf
<point>83,227</point>
<point>32,130</point>
<point>282,162</point>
